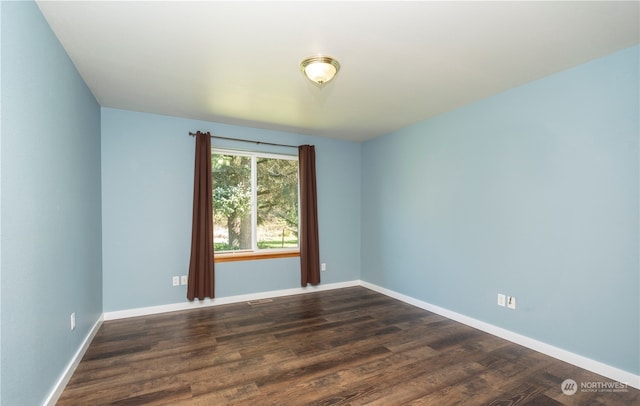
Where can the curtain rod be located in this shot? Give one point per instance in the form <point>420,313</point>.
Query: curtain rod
<point>241,140</point>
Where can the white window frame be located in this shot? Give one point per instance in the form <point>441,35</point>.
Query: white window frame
<point>254,155</point>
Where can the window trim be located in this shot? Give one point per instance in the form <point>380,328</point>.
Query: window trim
<point>255,253</point>
<point>234,256</point>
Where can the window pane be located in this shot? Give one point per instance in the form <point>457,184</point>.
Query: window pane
<point>277,203</point>
<point>231,202</point>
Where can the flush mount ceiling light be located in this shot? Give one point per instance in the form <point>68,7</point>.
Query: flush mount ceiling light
<point>320,69</point>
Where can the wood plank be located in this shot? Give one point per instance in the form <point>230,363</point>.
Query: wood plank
<point>347,346</point>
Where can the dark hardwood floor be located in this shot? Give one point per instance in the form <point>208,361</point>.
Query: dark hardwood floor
<point>348,346</point>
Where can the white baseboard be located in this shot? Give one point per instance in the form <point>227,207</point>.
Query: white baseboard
<point>197,304</point>
<point>58,388</point>
<point>555,352</point>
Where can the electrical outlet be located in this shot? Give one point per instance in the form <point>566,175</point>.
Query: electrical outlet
<point>73,321</point>
<point>323,266</point>
<point>511,302</point>
<point>176,281</point>
<point>183,280</point>
<point>502,300</point>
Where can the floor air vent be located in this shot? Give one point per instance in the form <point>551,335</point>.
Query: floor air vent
<point>259,302</point>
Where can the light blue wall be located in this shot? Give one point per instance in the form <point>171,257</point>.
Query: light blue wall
<point>531,193</point>
<point>51,227</point>
<point>0,200</point>
<point>147,189</point>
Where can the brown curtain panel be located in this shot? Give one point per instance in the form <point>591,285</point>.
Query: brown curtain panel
<point>201,265</point>
<point>309,242</point>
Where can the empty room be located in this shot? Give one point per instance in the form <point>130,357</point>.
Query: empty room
<point>319,203</point>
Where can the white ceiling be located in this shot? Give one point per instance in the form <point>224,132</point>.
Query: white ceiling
<point>238,62</point>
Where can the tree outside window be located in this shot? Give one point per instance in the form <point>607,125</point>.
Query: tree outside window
<point>255,199</point>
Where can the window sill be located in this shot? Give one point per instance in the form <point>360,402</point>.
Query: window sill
<point>253,255</point>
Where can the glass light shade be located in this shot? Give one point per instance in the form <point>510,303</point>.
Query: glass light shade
<point>320,69</point>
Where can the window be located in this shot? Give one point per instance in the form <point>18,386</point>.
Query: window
<point>255,203</point>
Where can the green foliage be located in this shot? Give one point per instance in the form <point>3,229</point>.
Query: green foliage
<point>221,246</point>
<point>277,200</point>
<point>278,191</point>
<point>231,185</point>
<point>232,201</point>
<point>278,244</point>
